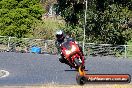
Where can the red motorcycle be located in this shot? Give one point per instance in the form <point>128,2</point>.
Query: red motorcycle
<point>71,52</point>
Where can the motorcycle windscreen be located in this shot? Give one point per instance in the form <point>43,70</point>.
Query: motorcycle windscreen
<point>67,45</point>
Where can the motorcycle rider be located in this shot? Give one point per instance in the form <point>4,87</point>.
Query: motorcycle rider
<point>60,38</point>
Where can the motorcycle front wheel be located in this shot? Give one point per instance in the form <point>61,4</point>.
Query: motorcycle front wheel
<point>81,80</point>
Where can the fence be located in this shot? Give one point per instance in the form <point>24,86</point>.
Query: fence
<point>24,45</point>
<point>92,49</point>
<point>12,44</point>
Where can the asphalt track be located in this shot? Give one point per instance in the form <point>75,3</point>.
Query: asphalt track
<point>30,69</point>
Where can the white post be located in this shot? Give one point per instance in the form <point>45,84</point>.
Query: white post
<point>85,25</point>
<point>9,43</point>
<point>45,47</point>
<point>125,51</point>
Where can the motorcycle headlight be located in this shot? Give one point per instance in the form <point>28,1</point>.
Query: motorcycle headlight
<point>76,42</point>
<point>73,48</point>
<point>68,51</point>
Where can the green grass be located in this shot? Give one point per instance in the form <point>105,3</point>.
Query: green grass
<point>47,28</point>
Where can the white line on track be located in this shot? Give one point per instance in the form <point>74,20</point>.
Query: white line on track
<point>4,73</point>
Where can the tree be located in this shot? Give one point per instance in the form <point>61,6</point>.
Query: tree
<point>18,16</point>
<point>71,10</point>
<point>106,25</point>
<point>105,19</point>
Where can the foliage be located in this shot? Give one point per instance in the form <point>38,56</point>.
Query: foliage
<point>4,40</point>
<point>70,10</point>
<point>107,20</point>
<point>18,16</point>
<point>107,27</point>
<point>74,32</point>
<point>45,29</point>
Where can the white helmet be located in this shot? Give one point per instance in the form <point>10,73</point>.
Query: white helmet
<point>60,35</point>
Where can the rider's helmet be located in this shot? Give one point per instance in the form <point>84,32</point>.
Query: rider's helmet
<point>60,35</point>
